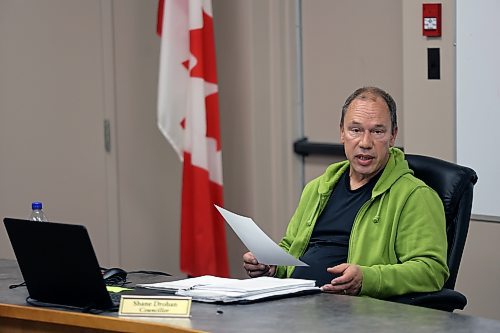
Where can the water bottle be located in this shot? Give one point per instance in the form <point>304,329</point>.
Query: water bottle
<point>37,213</point>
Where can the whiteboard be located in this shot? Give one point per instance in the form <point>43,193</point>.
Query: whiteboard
<point>478,99</point>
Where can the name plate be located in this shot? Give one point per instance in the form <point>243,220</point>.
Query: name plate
<point>155,306</point>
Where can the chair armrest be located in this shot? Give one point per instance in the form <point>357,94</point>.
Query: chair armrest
<point>445,299</point>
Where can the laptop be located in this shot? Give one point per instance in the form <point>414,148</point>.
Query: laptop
<point>58,264</point>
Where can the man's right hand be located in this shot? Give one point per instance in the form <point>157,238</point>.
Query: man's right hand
<point>254,268</point>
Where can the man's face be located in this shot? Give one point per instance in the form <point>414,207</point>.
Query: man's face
<point>366,135</point>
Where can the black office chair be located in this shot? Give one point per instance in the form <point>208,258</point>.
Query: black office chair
<point>454,184</point>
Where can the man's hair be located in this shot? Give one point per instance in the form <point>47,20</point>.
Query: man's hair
<point>363,94</point>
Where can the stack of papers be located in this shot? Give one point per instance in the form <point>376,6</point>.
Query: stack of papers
<point>209,288</point>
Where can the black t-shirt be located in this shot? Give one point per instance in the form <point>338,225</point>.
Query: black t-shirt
<point>329,241</point>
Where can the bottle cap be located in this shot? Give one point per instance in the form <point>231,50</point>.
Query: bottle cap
<point>36,205</point>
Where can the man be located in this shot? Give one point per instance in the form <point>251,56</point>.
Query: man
<point>366,226</point>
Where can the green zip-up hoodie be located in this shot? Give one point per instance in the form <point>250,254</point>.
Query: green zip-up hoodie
<point>398,237</point>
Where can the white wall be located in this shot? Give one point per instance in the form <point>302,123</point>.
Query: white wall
<point>478,99</point>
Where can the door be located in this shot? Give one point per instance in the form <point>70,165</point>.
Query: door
<point>52,107</point>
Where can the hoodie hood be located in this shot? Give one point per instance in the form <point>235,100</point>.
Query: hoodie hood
<point>395,168</point>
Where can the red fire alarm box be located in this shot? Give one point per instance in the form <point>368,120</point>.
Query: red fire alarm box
<point>431,19</point>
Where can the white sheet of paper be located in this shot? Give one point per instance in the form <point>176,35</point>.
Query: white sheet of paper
<point>263,248</point>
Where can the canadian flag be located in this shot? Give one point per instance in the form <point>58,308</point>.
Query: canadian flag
<point>188,116</point>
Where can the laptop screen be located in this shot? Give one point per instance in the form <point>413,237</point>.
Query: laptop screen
<point>58,263</point>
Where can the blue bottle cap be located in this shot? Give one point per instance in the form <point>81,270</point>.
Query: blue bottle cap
<point>36,205</point>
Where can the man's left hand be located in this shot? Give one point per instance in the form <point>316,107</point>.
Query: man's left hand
<point>348,283</point>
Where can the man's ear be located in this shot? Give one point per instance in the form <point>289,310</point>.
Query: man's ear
<point>342,139</point>
<point>393,137</point>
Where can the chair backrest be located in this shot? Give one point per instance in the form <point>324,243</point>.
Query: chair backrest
<point>454,184</point>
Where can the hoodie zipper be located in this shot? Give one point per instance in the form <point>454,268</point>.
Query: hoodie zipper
<point>362,210</point>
